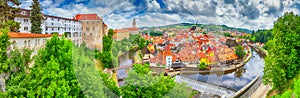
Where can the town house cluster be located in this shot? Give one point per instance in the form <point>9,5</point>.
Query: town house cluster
<point>190,47</point>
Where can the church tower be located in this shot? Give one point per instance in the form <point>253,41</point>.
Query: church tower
<point>134,23</point>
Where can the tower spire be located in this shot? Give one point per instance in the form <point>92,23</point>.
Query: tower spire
<point>134,23</point>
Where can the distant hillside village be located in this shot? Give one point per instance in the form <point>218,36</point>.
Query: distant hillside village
<point>88,28</point>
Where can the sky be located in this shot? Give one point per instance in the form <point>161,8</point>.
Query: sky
<point>249,14</point>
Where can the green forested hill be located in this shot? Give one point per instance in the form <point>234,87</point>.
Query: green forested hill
<point>210,27</point>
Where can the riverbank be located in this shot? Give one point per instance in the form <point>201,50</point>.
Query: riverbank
<point>262,90</point>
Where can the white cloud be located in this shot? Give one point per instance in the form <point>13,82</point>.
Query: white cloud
<point>25,4</point>
<point>255,14</point>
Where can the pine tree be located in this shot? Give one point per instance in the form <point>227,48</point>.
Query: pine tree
<point>36,17</point>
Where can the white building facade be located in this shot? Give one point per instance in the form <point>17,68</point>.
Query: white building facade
<point>70,27</point>
<point>52,24</point>
<point>24,19</point>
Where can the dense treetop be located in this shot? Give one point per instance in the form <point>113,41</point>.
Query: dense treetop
<point>282,63</point>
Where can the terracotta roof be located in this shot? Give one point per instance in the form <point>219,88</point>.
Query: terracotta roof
<point>168,52</point>
<point>201,55</point>
<point>187,56</point>
<point>27,35</point>
<point>212,59</point>
<point>104,24</point>
<point>126,30</point>
<point>87,17</point>
<point>132,29</point>
<point>228,56</point>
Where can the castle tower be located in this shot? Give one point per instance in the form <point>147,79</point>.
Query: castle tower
<point>134,23</point>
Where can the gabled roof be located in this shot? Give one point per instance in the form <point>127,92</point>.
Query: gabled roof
<point>87,17</point>
<point>27,35</point>
<point>104,24</point>
<point>27,14</point>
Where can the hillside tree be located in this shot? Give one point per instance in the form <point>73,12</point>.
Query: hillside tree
<point>282,63</point>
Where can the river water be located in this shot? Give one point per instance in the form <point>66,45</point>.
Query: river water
<point>124,60</point>
<point>237,79</point>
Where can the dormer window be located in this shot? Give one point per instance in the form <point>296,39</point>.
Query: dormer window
<point>24,13</point>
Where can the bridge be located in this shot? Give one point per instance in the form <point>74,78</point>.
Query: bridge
<point>205,87</point>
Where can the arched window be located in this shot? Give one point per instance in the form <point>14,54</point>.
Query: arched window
<point>35,42</point>
<point>25,43</point>
<point>14,44</point>
<point>28,43</point>
<point>38,41</point>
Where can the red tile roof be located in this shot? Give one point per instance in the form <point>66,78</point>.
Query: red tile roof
<point>132,29</point>
<point>27,35</point>
<point>104,24</point>
<point>201,55</point>
<point>126,30</point>
<point>212,59</point>
<point>87,17</point>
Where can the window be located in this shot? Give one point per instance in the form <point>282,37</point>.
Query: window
<point>87,28</point>
<point>28,43</point>
<point>26,28</point>
<point>52,23</point>
<point>24,13</point>
<point>91,34</point>
<point>46,28</point>
<point>25,20</point>
<point>14,44</point>
<point>52,29</point>
<point>35,42</point>
<point>25,43</point>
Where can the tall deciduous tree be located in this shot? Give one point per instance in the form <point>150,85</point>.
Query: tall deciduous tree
<point>4,43</point>
<point>239,51</point>
<point>141,84</point>
<point>283,60</point>
<point>36,17</point>
<point>52,75</point>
